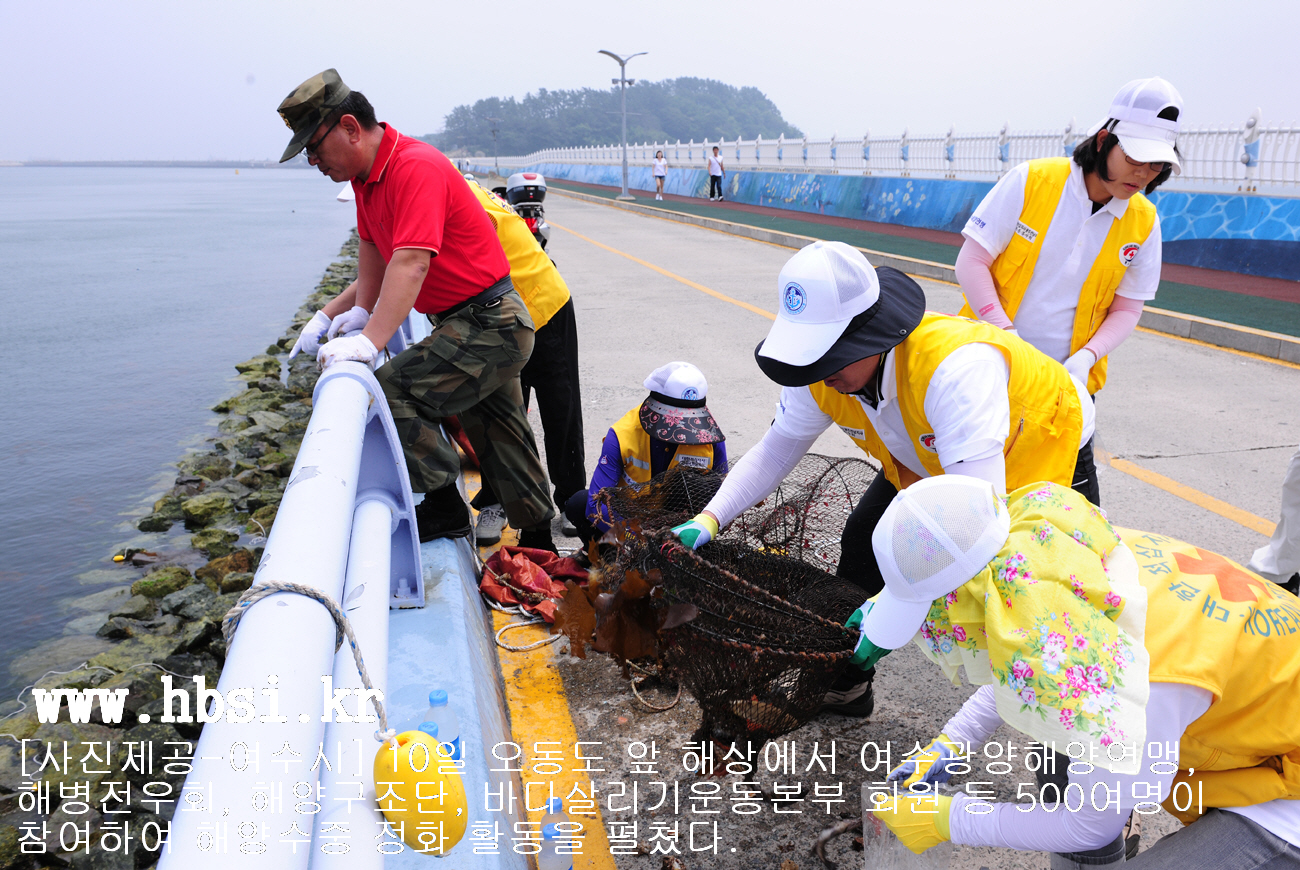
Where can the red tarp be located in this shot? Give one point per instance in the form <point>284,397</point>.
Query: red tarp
<point>528,577</point>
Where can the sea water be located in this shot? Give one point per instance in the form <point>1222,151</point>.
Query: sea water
<point>126,297</point>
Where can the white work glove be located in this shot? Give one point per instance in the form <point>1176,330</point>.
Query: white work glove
<point>349,347</point>
<point>350,321</point>
<point>1079,364</point>
<point>312,332</point>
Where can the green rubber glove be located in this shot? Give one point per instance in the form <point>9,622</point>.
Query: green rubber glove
<point>917,825</point>
<point>699,531</point>
<point>866,653</point>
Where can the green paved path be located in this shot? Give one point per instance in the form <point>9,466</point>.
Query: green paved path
<point>1273,315</point>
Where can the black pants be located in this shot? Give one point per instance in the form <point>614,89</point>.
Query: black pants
<point>715,186</point>
<point>858,561</point>
<point>552,371</point>
<point>576,511</point>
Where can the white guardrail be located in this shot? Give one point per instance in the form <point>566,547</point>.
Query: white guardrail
<point>1247,156</point>
<point>346,527</point>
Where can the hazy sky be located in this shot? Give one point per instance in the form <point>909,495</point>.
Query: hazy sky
<point>188,80</point>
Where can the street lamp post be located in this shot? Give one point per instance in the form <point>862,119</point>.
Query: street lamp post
<point>496,164</point>
<point>623,81</point>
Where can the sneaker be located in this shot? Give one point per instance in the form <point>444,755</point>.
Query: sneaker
<point>487,529</point>
<point>850,694</point>
<point>569,530</point>
<point>538,539</point>
<point>443,514</point>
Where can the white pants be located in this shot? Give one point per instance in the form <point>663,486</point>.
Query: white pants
<point>1280,557</point>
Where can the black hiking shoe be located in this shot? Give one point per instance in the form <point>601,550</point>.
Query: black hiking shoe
<point>443,514</point>
<point>850,694</point>
<point>1292,585</point>
<point>539,538</point>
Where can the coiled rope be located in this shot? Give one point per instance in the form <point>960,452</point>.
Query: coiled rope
<point>343,629</point>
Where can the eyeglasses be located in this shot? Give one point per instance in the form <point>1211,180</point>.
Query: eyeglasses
<point>312,149</point>
<point>1157,168</point>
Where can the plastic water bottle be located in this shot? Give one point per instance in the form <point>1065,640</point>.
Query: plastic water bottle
<point>555,813</point>
<point>445,718</point>
<point>547,859</point>
<point>430,728</point>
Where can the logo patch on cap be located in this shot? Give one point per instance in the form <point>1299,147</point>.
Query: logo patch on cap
<point>794,298</point>
<point>928,442</point>
<point>1128,252</point>
<point>690,394</point>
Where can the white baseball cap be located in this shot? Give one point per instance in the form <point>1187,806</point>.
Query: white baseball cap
<point>678,380</point>
<point>824,289</point>
<point>1148,114</point>
<point>675,410</point>
<point>934,537</point>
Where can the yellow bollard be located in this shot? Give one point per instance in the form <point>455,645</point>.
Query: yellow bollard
<point>421,794</point>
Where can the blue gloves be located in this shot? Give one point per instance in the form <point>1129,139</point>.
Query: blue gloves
<point>930,763</point>
<point>698,532</point>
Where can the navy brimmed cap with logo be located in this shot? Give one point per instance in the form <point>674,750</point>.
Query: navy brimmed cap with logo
<point>309,105</point>
<point>835,309</point>
<point>1147,115</point>
<point>675,411</point>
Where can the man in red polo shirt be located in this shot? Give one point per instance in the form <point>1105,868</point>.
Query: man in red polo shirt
<point>426,243</point>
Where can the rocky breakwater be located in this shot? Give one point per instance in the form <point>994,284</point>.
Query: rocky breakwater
<point>98,794</point>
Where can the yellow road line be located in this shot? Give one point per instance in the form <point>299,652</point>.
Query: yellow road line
<point>1199,343</point>
<point>1196,497</point>
<point>539,712</point>
<point>688,282</point>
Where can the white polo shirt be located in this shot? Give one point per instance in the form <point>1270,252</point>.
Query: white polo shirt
<point>715,164</point>
<point>1074,238</point>
<point>966,403</point>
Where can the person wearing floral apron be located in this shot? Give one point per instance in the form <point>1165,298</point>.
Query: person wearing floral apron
<point>1171,673</point>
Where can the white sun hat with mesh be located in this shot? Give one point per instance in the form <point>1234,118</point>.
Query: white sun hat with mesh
<point>935,536</point>
<point>1148,113</point>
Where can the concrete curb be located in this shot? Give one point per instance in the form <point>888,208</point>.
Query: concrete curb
<point>1273,345</point>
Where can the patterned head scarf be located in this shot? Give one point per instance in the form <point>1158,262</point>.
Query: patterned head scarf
<point>1056,623</point>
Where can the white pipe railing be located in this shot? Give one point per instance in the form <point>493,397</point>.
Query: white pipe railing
<point>1248,156</point>
<point>347,514</point>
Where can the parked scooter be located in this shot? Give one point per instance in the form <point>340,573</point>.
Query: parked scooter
<point>526,191</point>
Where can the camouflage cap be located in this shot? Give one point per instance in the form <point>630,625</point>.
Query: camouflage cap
<point>309,105</point>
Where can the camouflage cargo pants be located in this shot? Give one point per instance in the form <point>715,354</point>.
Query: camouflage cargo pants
<point>469,368</point>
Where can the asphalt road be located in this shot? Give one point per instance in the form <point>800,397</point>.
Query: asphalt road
<point>1221,423</point>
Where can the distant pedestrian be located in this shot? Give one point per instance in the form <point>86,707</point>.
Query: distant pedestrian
<point>660,171</point>
<point>716,172</point>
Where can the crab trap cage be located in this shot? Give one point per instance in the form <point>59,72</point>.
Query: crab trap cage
<point>752,624</point>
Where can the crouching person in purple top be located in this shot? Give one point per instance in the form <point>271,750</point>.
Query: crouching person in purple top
<point>671,428</point>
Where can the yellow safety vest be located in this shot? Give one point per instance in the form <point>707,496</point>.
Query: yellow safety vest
<point>634,441</point>
<point>1046,420</point>
<point>1237,635</point>
<point>1014,267</point>
<point>531,271</point>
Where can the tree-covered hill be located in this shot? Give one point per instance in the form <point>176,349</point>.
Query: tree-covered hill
<point>683,108</point>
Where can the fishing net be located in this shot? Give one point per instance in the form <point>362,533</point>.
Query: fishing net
<point>751,624</point>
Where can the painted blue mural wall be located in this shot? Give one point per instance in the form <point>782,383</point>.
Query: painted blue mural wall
<point>1256,235</point>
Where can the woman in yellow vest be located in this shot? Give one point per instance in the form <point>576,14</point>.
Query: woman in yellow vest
<point>1172,674</point>
<point>924,394</point>
<point>1066,250</point>
<point>671,428</point>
